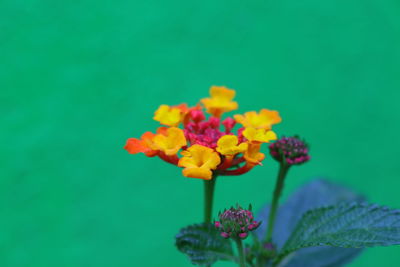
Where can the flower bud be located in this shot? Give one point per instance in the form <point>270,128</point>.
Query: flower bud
<point>229,123</point>
<point>225,235</point>
<point>290,150</point>
<point>236,223</point>
<point>268,250</point>
<point>214,122</point>
<point>197,115</point>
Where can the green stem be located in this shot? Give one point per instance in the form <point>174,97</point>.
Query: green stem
<point>257,246</point>
<point>283,170</point>
<point>209,186</point>
<point>242,259</point>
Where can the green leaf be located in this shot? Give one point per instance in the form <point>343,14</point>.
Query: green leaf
<point>204,245</point>
<point>351,225</point>
<point>323,256</point>
<point>315,194</point>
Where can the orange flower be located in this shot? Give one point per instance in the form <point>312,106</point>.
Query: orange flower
<point>264,119</point>
<point>199,161</point>
<point>143,145</point>
<point>220,101</point>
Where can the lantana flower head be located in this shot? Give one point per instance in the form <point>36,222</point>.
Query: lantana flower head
<point>206,146</point>
<point>290,150</point>
<point>236,222</point>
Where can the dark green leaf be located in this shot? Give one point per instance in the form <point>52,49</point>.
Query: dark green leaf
<point>204,245</point>
<point>323,256</point>
<point>352,225</point>
<point>317,193</point>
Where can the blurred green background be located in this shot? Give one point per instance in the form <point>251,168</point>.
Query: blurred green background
<point>80,77</point>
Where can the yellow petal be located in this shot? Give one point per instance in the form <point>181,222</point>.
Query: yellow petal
<point>264,119</point>
<point>196,172</point>
<point>253,154</point>
<point>220,101</point>
<point>169,116</point>
<point>198,162</point>
<point>222,92</point>
<point>228,145</point>
<point>170,143</point>
<point>259,135</point>
<point>240,119</point>
<point>270,136</point>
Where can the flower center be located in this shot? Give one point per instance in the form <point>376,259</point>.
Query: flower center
<point>205,133</point>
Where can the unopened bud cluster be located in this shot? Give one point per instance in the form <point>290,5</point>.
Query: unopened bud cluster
<point>236,223</point>
<point>291,150</point>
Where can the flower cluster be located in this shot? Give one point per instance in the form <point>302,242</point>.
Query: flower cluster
<point>290,150</point>
<point>236,223</point>
<point>208,150</point>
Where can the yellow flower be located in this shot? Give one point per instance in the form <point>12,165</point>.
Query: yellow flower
<point>170,116</point>
<point>264,119</point>
<point>170,141</point>
<point>198,162</point>
<point>220,101</point>
<point>259,135</point>
<point>228,145</point>
<point>253,156</point>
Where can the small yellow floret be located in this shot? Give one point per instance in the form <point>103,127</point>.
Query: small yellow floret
<point>259,135</point>
<point>228,145</point>
<point>253,156</point>
<point>198,162</point>
<point>220,101</point>
<point>170,116</point>
<point>170,142</point>
<point>264,119</point>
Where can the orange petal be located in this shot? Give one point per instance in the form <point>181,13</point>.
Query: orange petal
<point>134,146</point>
